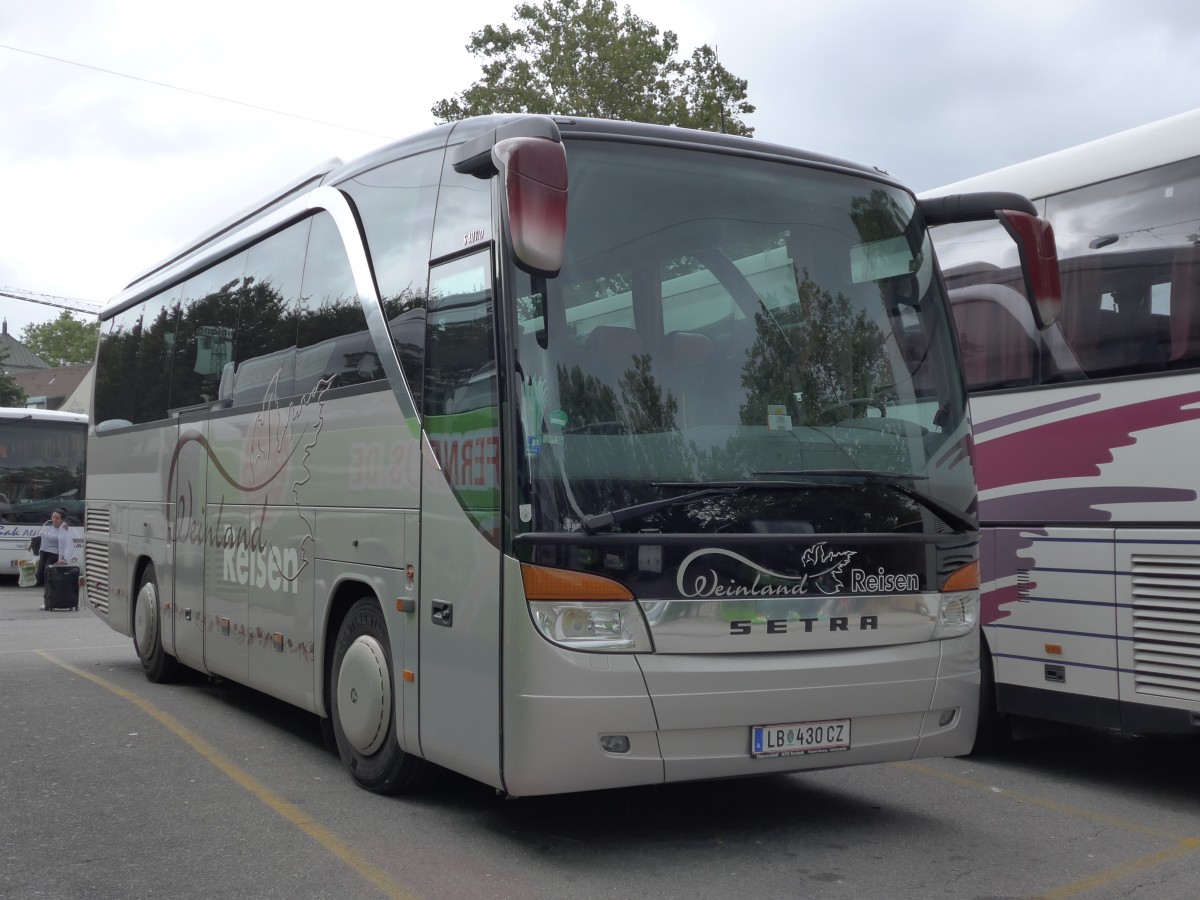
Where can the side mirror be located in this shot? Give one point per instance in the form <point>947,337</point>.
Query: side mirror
<point>528,155</point>
<point>534,175</point>
<point>1033,236</point>
<point>1039,262</point>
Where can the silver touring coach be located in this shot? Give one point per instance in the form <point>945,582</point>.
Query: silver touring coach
<point>565,454</point>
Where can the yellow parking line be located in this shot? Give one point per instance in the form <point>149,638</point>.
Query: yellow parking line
<point>288,811</point>
<point>1181,845</point>
<point>1100,879</point>
<point>1045,804</point>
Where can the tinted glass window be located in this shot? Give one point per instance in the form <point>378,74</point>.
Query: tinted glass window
<point>1130,270</point>
<point>208,322</point>
<point>726,319</point>
<point>464,211</point>
<point>462,416</point>
<point>116,370</point>
<point>133,378</point>
<point>1130,263</point>
<point>265,349</point>
<point>396,204</point>
<point>334,346</point>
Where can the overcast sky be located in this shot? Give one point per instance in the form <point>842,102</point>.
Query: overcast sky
<point>102,175</point>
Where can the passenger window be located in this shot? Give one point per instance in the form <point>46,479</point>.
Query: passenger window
<point>396,204</point>
<point>464,212</point>
<point>1127,256</point>
<point>204,342</point>
<point>334,347</point>
<point>159,327</point>
<point>462,414</point>
<point>265,363</point>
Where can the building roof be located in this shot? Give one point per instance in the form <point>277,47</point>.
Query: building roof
<point>55,385</point>
<point>20,358</point>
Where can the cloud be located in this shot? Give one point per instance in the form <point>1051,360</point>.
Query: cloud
<point>101,174</point>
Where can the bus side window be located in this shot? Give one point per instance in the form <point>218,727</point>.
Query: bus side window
<point>396,203</point>
<point>135,352</point>
<point>997,345</point>
<point>1185,314</point>
<point>461,401</point>
<point>206,332</point>
<point>117,385</point>
<point>265,365</point>
<point>464,211</point>
<point>334,347</point>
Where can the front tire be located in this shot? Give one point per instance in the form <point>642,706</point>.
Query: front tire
<point>158,665</point>
<point>362,708</point>
<point>993,730</point>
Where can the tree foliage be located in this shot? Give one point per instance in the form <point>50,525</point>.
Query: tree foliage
<point>11,393</point>
<point>586,58</point>
<point>65,341</point>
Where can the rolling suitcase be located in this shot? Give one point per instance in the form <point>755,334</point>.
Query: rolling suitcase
<point>62,587</point>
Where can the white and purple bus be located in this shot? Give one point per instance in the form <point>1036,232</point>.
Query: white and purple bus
<point>41,469</point>
<point>566,454</point>
<point>1087,423</point>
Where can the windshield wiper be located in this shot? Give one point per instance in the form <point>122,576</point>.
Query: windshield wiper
<point>592,524</point>
<point>956,518</point>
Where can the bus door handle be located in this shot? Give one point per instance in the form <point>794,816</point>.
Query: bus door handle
<point>442,612</point>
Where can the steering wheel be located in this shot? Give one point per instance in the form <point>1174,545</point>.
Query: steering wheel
<point>855,401</point>
<point>604,426</point>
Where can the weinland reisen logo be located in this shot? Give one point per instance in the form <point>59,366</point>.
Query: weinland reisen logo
<point>820,569</point>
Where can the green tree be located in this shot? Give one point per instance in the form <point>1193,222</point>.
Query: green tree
<point>65,341</point>
<point>10,392</point>
<point>586,58</point>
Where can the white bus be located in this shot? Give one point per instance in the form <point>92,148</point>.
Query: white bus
<point>1086,421</point>
<point>41,469</point>
<point>564,454</point>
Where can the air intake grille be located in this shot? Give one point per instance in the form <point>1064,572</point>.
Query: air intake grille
<point>95,557</point>
<point>1166,626</point>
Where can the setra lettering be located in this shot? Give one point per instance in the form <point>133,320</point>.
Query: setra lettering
<point>780,626</point>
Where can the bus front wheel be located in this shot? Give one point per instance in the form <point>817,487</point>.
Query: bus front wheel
<point>362,708</point>
<point>159,666</point>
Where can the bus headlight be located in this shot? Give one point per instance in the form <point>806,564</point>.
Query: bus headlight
<point>959,613</point>
<point>581,611</point>
<point>958,609</point>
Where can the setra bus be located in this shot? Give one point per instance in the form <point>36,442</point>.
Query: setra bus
<point>562,453</point>
<point>41,469</point>
<point>1085,420</point>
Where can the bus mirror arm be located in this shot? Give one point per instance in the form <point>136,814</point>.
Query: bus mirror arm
<point>1033,236</point>
<point>474,156</point>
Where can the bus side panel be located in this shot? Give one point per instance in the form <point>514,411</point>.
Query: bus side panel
<point>1158,628</point>
<point>186,620</point>
<point>1056,633</point>
<point>459,676</point>
<point>126,475</point>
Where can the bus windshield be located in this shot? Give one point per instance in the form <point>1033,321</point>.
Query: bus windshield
<point>729,320</point>
<point>41,469</point>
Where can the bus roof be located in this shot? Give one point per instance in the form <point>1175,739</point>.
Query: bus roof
<point>334,170</point>
<point>10,414</point>
<point>1124,153</point>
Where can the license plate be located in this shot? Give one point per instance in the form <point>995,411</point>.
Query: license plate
<point>14,563</point>
<point>799,738</point>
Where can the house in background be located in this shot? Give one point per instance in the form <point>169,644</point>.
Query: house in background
<point>20,358</point>
<point>66,388</point>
